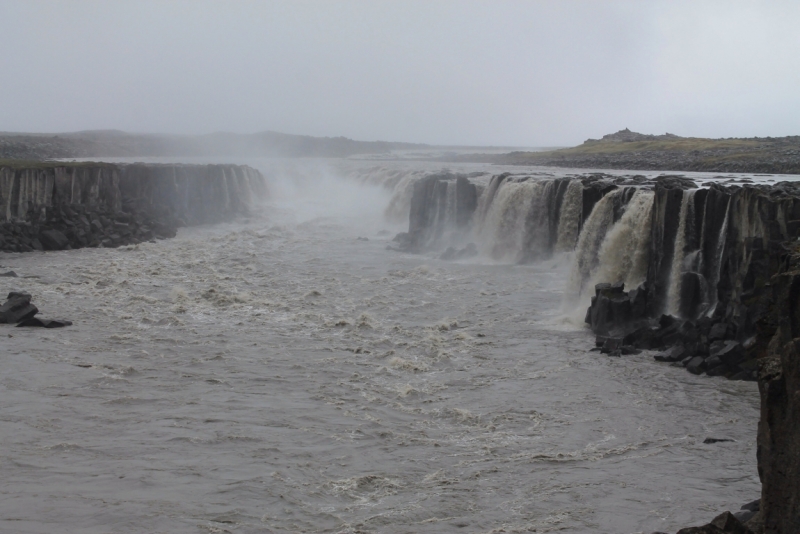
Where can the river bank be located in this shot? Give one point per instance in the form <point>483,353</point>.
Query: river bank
<point>634,151</point>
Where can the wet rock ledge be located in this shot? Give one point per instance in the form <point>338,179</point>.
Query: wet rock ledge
<point>54,206</point>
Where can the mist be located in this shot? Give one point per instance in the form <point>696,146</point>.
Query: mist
<point>304,191</point>
<point>470,73</point>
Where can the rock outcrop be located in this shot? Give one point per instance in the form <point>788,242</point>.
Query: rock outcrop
<point>18,309</point>
<point>779,385</point>
<point>55,207</point>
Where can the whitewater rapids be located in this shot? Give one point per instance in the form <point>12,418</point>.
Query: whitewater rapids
<point>278,374</point>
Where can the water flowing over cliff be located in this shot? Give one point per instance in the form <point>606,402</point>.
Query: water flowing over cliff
<point>699,250</point>
<point>56,206</point>
<point>710,268</point>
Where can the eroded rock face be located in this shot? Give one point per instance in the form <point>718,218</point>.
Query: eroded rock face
<point>90,205</point>
<point>779,427</point>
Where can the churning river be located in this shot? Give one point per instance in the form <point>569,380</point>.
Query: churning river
<point>288,373</point>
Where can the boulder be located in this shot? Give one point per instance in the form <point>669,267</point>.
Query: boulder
<point>674,354</point>
<point>753,506</point>
<point>719,370</point>
<point>53,240</point>
<point>611,345</point>
<point>696,365</point>
<point>730,353</point>
<point>611,308</point>
<point>718,332</point>
<point>17,308</point>
<point>44,323</point>
<point>724,523</point>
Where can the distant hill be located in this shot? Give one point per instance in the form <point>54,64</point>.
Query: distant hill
<point>635,151</point>
<point>114,143</point>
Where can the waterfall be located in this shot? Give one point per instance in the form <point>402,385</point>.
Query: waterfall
<point>487,198</point>
<point>624,253</point>
<point>514,221</point>
<point>450,204</point>
<point>679,253</point>
<point>537,242</point>
<point>569,221</point>
<point>723,234</point>
<point>589,242</point>
<point>400,202</point>
<point>445,216</point>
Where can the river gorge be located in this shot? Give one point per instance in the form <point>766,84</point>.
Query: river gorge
<point>395,347</point>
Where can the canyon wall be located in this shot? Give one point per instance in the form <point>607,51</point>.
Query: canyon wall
<point>45,206</point>
<point>712,271</point>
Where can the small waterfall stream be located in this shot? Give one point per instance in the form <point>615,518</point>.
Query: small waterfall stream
<point>624,252</point>
<point>679,254</point>
<point>589,242</point>
<point>569,222</point>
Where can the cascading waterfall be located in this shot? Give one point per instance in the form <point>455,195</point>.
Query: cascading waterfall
<point>624,252</point>
<point>506,229</point>
<point>679,254</point>
<point>397,209</point>
<point>589,243</point>
<point>723,234</point>
<point>450,203</point>
<point>445,219</point>
<point>537,223</point>
<point>569,222</point>
<point>487,199</point>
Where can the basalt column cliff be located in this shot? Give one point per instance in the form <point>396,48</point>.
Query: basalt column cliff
<point>712,272</point>
<point>53,207</point>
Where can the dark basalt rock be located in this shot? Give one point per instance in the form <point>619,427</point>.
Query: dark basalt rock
<point>696,365</point>
<point>45,323</point>
<point>52,240</point>
<point>779,386</point>
<point>613,308</point>
<point>17,308</point>
<point>92,205</point>
<point>731,353</point>
<point>616,317</point>
<point>725,523</point>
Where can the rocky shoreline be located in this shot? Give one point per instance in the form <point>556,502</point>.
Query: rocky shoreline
<point>63,206</point>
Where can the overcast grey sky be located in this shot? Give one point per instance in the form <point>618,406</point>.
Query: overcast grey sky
<point>437,71</point>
